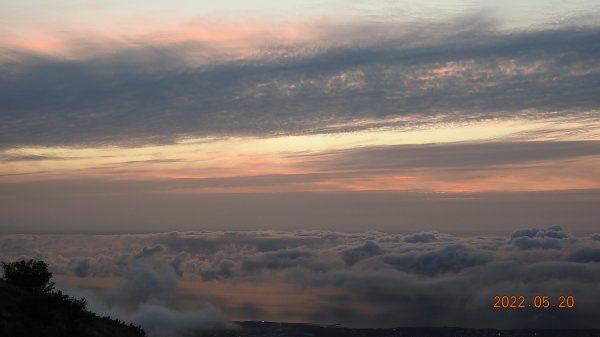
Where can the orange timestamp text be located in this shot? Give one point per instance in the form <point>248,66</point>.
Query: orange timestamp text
<point>538,302</point>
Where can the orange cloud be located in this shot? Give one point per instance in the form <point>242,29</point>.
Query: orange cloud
<point>42,45</point>
<point>222,38</point>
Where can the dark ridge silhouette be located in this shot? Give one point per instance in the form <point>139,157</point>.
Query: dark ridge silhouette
<point>30,307</point>
<point>270,329</point>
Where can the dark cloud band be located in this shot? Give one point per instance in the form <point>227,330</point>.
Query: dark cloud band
<point>471,74</point>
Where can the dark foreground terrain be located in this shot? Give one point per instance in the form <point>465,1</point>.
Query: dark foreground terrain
<point>26,312</point>
<point>268,329</point>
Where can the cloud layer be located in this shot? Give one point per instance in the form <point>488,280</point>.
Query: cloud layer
<point>145,93</point>
<point>360,279</point>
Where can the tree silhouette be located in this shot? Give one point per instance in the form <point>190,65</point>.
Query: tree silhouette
<point>28,274</point>
<point>30,307</point>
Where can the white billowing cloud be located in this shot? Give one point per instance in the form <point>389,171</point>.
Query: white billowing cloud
<point>420,237</point>
<point>353,255</point>
<point>143,283</point>
<point>363,279</point>
<point>146,297</point>
<point>161,321</point>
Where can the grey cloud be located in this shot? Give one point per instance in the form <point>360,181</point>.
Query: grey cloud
<point>151,161</point>
<point>586,254</point>
<point>393,239</point>
<point>555,232</point>
<point>25,157</point>
<point>149,251</point>
<point>178,242</point>
<point>279,243</point>
<point>22,174</point>
<point>399,158</point>
<point>596,236</point>
<point>176,264</point>
<point>161,321</point>
<point>223,270</point>
<point>117,98</point>
<point>141,284</point>
<point>147,298</point>
<point>539,238</point>
<point>452,258</point>
<point>353,255</point>
<point>276,260</point>
<point>402,299</point>
<point>292,254</point>
<point>526,242</point>
<point>524,232</point>
<point>420,238</point>
<point>82,268</point>
<point>104,265</point>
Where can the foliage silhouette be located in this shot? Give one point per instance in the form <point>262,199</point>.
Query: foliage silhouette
<point>28,274</point>
<point>29,306</point>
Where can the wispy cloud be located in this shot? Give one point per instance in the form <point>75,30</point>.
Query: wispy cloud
<point>449,155</point>
<point>447,167</point>
<point>149,94</point>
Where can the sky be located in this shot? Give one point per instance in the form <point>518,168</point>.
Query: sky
<point>358,124</point>
<point>147,116</point>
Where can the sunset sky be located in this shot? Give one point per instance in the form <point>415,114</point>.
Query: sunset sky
<point>337,144</point>
<point>110,106</point>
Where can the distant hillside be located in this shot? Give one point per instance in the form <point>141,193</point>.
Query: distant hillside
<point>268,329</point>
<point>25,312</point>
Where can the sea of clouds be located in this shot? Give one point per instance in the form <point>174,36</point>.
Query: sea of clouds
<point>360,279</point>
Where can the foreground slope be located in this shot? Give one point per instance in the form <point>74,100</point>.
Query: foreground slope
<point>25,312</point>
<point>268,329</point>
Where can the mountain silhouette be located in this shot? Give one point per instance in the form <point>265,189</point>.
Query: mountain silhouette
<point>29,306</point>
